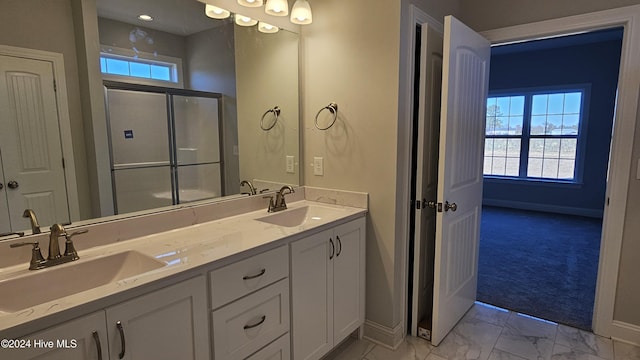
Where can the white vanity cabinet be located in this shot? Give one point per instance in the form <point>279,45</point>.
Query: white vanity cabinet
<point>169,323</point>
<point>250,307</point>
<point>327,288</point>
<point>77,335</point>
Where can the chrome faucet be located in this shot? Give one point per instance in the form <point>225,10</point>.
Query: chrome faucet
<point>54,258</point>
<point>252,189</point>
<point>279,204</point>
<point>35,228</point>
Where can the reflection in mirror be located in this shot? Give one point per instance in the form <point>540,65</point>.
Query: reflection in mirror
<point>246,71</point>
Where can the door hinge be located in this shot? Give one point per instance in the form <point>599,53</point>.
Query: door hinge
<point>418,205</point>
<point>55,86</point>
<point>63,166</point>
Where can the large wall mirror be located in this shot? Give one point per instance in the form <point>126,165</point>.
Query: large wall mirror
<point>220,99</point>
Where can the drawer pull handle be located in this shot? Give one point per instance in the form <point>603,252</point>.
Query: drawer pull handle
<point>249,277</point>
<point>340,246</point>
<point>96,338</point>
<point>247,327</point>
<point>122,339</point>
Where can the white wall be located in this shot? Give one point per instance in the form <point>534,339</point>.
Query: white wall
<point>350,56</point>
<point>267,76</point>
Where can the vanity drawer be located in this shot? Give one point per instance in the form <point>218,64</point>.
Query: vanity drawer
<point>245,326</point>
<point>243,277</point>
<point>277,350</point>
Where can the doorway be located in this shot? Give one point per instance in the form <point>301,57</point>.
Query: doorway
<point>616,193</point>
<point>549,119</point>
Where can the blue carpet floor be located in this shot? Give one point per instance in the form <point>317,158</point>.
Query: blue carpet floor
<point>540,264</point>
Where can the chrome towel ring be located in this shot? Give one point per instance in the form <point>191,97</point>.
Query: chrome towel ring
<point>276,112</point>
<point>333,108</point>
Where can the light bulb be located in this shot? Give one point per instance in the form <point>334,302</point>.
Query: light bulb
<point>216,12</point>
<point>245,20</point>
<point>301,13</point>
<point>145,17</point>
<point>277,7</point>
<point>251,3</point>
<point>267,28</point>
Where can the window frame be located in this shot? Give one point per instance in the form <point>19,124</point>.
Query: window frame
<point>174,63</point>
<point>526,135</point>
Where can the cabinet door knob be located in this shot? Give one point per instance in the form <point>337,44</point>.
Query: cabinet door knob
<point>339,246</point>
<point>122,340</point>
<point>1,186</point>
<point>13,184</point>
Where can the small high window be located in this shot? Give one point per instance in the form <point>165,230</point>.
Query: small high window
<point>141,69</point>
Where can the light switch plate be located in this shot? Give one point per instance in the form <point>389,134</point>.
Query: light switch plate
<point>318,166</point>
<point>290,168</point>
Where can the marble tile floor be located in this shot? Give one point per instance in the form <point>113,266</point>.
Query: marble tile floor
<point>490,333</point>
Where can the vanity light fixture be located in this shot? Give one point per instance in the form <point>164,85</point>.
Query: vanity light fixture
<point>263,27</point>
<point>145,17</point>
<point>301,13</point>
<point>244,20</point>
<point>277,7</point>
<point>215,12</point>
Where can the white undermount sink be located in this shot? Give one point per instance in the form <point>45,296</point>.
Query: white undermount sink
<point>40,286</point>
<point>300,216</point>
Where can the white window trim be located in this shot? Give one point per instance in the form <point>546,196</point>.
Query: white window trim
<point>127,54</point>
<point>585,89</point>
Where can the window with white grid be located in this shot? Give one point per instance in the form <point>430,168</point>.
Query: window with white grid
<point>533,135</point>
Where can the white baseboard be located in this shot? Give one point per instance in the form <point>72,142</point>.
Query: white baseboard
<point>382,335</point>
<point>545,208</point>
<point>625,332</point>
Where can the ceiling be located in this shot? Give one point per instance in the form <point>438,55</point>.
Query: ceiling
<point>179,17</point>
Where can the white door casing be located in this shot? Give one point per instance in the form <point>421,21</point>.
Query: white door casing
<point>5,224</point>
<point>30,142</point>
<point>626,116</point>
<point>426,171</point>
<point>465,83</point>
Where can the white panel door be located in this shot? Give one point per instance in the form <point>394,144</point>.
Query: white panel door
<point>30,142</point>
<point>465,81</point>
<point>426,173</point>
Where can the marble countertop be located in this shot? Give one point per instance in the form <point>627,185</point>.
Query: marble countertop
<point>202,246</point>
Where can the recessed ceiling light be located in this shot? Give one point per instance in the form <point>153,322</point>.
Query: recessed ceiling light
<point>145,17</point>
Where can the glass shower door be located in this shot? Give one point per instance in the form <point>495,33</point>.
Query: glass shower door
<point>197,147</point>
